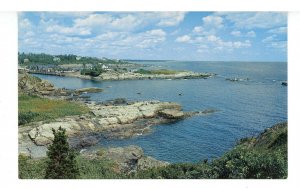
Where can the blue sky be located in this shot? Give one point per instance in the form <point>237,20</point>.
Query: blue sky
<point>212,36</point>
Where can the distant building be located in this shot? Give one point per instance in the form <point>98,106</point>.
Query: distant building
<point>78,57</point>
<point>26,61</point>
<point>56,59</point>
<point>104,67</point>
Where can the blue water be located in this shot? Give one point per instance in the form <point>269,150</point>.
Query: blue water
<point>245,108</point>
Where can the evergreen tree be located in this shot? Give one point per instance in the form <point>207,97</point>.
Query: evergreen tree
<point>61,163</point>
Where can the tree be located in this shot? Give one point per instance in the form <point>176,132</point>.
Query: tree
<point>61,163</point>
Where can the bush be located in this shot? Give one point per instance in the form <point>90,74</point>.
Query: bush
<point>26,117</point>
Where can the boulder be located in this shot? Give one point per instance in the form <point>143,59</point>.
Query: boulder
<point>171,114</point>
<point>130,158</point>
<point>42,135</point>
<point>89,90</point>
<point>87,141</point>
<point>147,162</point>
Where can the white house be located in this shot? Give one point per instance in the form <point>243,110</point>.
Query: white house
<point>56,59</point>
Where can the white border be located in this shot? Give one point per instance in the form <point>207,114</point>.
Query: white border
<point>150,5</point>
<point>8,113</point>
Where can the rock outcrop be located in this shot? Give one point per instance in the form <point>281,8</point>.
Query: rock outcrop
<point>115,121</point>
<point>112,75</point>
<point>284,83</point>
<point>89,90</point>
<point>34,85</point>
<point>129,159</point>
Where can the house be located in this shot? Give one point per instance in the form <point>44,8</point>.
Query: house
<point>56,59</point>
<point>104,67</point>
<point>78,57</point>
<point>26,61</point>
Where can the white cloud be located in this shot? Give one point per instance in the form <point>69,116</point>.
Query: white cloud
<point>279,30</point>
<point>68,30</point>
<point>130,21</point>
<point>93,20</point>
<point>213,38</point>
<point>279,45</point>
<point>251,34</point>
<point>24,24</point>
<point>148,39</point>
<point>256,19</point>
<point>170,18</point>
<point>183,39</point>
<point>236,33</point>
<point>198,29</point>
<point>110,36</point>
<point>212,21</point>
<point>273,41</point>
<point>269,39</point>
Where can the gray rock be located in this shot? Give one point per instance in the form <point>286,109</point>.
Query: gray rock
<point>129,159</point>
<point>147,162</point>
<point>171,114</point>
<point>87,141</point>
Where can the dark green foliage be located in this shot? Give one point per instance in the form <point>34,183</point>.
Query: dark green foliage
<point>245,163</point>
<point>26,117</point>
<point>61,163</point>
<point>142,71</point>
<point>94,72</point>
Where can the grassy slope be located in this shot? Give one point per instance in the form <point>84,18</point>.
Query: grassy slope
<point>34,108</point>
<point>264,156</point>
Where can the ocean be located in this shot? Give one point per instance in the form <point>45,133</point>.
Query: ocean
<point>244,108</point>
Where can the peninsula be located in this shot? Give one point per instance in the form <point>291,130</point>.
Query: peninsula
<point>99,69</point>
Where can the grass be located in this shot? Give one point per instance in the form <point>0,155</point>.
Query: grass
<point>34,108</point>
<point>159,72</point>
<point>88,169</point>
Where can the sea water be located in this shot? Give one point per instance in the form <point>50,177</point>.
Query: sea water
<point>245,108</point>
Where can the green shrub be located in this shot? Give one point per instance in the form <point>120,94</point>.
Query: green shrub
<point>61,163</point>
<point>26,117</point>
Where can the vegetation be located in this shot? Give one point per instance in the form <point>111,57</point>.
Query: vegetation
<point>88,168</point>
<point>153,72</point>
<point>94,72</point>
<point>34,108</point>
<point>262,157</point>
<point>31,168</point>
<point>44,59</point>
<point>61,163</point>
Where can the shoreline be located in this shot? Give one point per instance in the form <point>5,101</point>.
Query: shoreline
<point>112,120</point>
<point>115,76</point>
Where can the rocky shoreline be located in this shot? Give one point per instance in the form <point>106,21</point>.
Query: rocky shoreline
<point>112,75</point>
<point>114,120</point>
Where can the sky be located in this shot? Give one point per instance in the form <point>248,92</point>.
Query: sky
<point>201,36</point>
